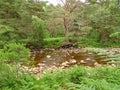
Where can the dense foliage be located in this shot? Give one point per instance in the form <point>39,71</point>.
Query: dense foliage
<point>76,78</point>
<point>11,55</point>
<point>36,24</point>
<point>81,78</point>
<point>32,21</point>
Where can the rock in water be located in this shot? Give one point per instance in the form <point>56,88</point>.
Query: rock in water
<point>48,56</point>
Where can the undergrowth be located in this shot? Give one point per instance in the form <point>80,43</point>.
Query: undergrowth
<point>111,56</point>
<point>82,78</point>
<point>74,78</point>
<point>82,42</point>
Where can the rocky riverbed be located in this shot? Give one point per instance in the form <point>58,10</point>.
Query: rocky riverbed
<point>51,59</point>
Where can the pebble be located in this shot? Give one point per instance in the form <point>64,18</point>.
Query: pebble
<point>41,64</point>
<point>82,61</point>
<point>90,53</point>
<point>41,67</point>
<point>113,65</point>
<point>73,61</point>
<point>48,56</point>
<point>97,64</point>
<point>72,56</point>
<point>65,63</point>
<point>93,60</point>
<point>88,59</point>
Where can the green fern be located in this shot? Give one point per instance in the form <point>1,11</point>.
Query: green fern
<point>110,55</point>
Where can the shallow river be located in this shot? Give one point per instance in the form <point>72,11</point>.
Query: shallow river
<point>66,58</point>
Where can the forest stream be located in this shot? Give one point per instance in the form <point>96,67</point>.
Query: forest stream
<point>67,58</point>
<point>51,59</point>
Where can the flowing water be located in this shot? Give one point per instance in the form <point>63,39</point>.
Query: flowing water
<point>67,58</point>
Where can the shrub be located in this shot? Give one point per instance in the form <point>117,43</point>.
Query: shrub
<point>6,35</point>
<point>10,81</point>
<point>38,35</point>
<point>14,52</point>
<point>10,76</point>
<point>53,42</point>
<point>7,76</point>
<point>81,78</point>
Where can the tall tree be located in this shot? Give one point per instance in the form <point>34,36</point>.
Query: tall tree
<point>17,14</point>
<point>68,6</point>
<point>105,20</point>
<point>54,21</point>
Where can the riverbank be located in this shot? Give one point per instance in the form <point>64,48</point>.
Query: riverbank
<point>115,50</point>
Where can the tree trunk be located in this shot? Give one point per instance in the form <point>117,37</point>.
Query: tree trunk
<point>66,30</point>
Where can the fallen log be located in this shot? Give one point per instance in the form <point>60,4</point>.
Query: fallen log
<point>68,45</point>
